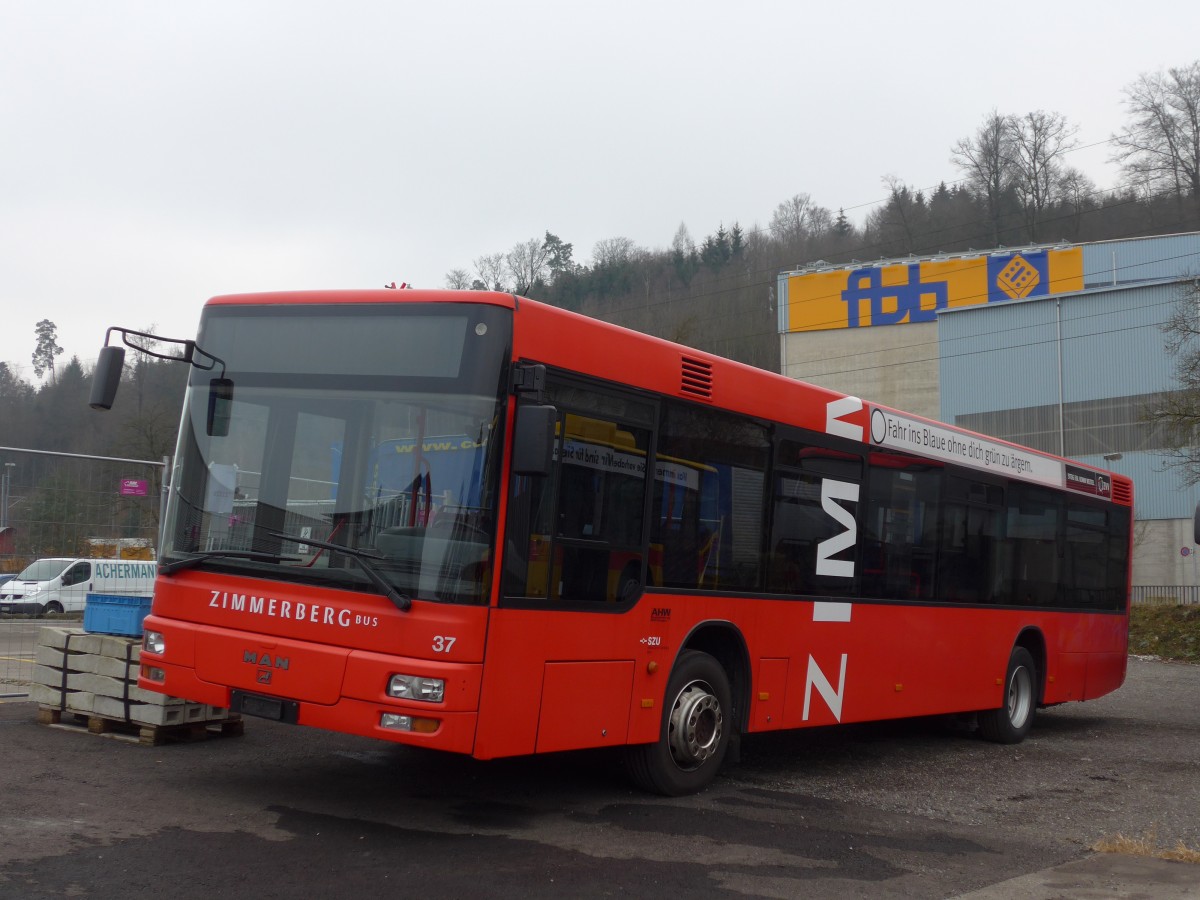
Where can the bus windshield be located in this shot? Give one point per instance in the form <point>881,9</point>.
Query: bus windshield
<point>367,428</point>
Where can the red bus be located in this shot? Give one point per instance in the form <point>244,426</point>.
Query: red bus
<point>474,522</point>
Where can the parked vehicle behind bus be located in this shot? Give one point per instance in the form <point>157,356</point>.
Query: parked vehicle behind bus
<point>61,584</point>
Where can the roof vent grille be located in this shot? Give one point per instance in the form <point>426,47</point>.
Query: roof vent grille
<point>1121,492</point>
<point>697,379</point>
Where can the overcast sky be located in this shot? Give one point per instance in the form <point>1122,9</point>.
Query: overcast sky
<point>155,154</point>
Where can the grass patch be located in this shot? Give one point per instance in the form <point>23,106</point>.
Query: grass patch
<point>1172,632</point>
<point>1146,845</point>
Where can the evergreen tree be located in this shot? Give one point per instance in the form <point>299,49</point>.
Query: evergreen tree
<point>47,348</point>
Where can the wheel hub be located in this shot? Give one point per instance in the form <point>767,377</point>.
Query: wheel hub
<point>696,725</point>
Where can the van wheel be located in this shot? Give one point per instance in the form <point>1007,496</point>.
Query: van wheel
<point>52,608</point>
<point>696,725</point>
<point>1011,722</point>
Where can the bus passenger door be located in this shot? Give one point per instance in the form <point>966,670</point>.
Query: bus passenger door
<point>561,655</point>
<point>576,535</point>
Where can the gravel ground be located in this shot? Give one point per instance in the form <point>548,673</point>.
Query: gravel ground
<point>1127,763</point>
<point>904,810</point>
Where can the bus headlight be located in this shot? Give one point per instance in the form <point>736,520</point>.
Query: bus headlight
<point>153,642</point>
<point>408,723</point>
<point>414,687</point>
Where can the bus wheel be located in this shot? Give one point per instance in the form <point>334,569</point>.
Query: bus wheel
<point>695,730</point>
<point>52,608</point>
<point>1011,722</point>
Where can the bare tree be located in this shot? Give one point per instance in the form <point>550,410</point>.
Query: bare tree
<point>615,251</point>
<point>526,263</point>
<point>1178,412</point>
<point>458,280</point>
<point>787,222</point>
<point>986,159</point>
<point>1160,147</point>
<point>682,243</point>
<point>898,226</point>
<point>490,272</point>
<point>798,218</point>
<point>1076,191</point>
<point>1037,141</point>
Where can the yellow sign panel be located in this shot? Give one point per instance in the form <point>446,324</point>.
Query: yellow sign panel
<point>916,292</point>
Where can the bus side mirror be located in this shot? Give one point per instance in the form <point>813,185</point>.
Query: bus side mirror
<point>220,407</point>
<point>533,440</point>
<point>107,377</point>
<point>1196,525</point>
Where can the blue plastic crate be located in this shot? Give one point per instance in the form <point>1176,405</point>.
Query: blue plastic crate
<point>115,614</point>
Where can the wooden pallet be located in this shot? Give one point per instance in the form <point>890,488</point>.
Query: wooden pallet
<point>137,732</point>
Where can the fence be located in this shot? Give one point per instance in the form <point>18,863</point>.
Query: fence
<point>1170,595</point>
<point>68,505</point>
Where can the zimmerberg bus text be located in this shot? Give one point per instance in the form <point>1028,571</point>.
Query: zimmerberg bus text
<point>286,609</point>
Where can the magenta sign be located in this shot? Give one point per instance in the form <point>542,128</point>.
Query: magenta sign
<point>133,487</point>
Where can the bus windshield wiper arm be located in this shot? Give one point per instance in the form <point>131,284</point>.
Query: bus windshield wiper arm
<point>364,558</point>
<point>195,559</point>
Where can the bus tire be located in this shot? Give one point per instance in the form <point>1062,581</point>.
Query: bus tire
<point>696,724</point>
<point>1011,722</point>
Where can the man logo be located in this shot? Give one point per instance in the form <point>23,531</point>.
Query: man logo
<point>265,660</point>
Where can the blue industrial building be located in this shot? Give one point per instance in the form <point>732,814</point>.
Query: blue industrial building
<point>1059,347</point>
<point>1075,373</point>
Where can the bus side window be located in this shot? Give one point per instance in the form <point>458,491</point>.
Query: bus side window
<point>900,544</point>
<point>801,529</point>
<point>971,559</point>
<point>1034,533</point>
<point>575,535</point>
<point>710,483</point>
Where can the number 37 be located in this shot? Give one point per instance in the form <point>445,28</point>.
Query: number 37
<point>442,644</point>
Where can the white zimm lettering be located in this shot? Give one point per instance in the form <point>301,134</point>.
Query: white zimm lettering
<point>296,610</point>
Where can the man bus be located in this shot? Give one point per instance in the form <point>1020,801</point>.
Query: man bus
<point>730,552</point>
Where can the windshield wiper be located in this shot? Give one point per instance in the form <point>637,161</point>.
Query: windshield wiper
<point>401,601</point>
<point>195,559</point>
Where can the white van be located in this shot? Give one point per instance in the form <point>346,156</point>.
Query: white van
<point>61,584</point>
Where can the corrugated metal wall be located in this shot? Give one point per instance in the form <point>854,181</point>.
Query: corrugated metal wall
<point>1143,259</point>
<point>1004,360</point>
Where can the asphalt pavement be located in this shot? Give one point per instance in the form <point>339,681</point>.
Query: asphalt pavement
<point>893,810</point>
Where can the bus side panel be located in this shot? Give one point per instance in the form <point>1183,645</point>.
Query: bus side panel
<point>556,679</point>
<point>1105,673</point>
<point>858,662</point>
<point>769,695</point>
<point>584,704</point>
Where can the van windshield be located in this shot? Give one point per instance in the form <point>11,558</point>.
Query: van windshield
<point>44,569</point>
